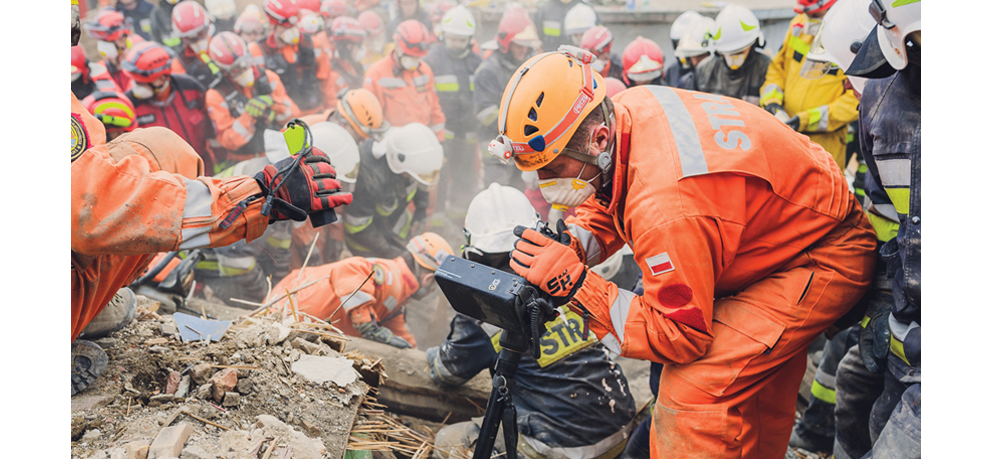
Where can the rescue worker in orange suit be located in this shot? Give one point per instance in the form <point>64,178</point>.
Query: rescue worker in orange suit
<point>744,262</point>
<point>144,193</point>
<point>347,70</point>
<point>176,102</point>
<point>404,83</point>
<point>367,297</point>
<point>250,24</point>
<point>88,77</point>
<point>377,44</point>
<point>113,39</point>
<point>114,110</point>
<point>820,108</point>
<point>249,100</point>
<point>292,56</point>
<point>312,23</point>
<point>194,27</point>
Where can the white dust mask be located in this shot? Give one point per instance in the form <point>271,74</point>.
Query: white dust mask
<point>142,91</point>
<point>245,79</point>
<point>291,36</point>
<point>358,54</point>
<point>107,49</point>
<point>735,61</point>
<point>565,193</point>
<point>598,65</point>
<point>409,63</point>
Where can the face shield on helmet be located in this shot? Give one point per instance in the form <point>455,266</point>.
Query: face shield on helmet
<point>340,148</point>
<point>413,150</point>
<point>578,20</point>
<point>681,25</point>
<point>736,28</point>
<point>845,27</point>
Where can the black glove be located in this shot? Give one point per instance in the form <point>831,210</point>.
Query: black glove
<point>372,331</point>
<point>774,108</point>
<point>874,338</point>
<point>534,311</point>
<point>301,186</point>
<point>793,123</point>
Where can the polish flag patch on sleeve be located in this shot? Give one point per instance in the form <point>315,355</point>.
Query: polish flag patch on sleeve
<point>660,264</point>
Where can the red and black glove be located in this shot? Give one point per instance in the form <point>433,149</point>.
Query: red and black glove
<point>302,186</point>
<point>548,262</point>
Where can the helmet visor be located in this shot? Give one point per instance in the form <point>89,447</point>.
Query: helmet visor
<point>813,69</point>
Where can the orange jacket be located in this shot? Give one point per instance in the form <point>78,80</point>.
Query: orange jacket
<point>406,97</point>
<point>234,132</point>
<point>290,53</point>
<point>712,194</point>
<point>141,194</point>
<point>383,295</point>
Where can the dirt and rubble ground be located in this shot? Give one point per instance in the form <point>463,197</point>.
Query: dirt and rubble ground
<point>248,395</point>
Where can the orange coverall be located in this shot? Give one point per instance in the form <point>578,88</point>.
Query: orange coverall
<point>406,97</point>
<point>383,295</point>
<point>234,133</point>
<point>138,195</point>
<point>751,245</point>
<point>323,75</point>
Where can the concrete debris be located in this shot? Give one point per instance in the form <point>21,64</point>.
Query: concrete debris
<point>92,435</point>
<point>201,373</point>
<point>161,399</point>
<point>231,399</point>
<point>203,392</point>
<point>158,349</point>
<point>223,381</point>
<point>306,346</point>
<point>137,449</point>
<point>302,446</point>
<point>170,441</point>
<point>320,369</point>
<point>183,388</point>
<point>172,382</point>
<point>277,333</point>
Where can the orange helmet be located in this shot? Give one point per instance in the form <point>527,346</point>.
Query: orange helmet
<point>113,109</point>
<point>250,21</point>
<point>363,112</point>
<point>642,60</point>
<point>412,38</point>
<point>108,26</point>
<point>372,23</point>
<point>147,62</point>
<point>347,28</point>
<point>515,26</point>
<point>544,103</point>
<point>429,249</point>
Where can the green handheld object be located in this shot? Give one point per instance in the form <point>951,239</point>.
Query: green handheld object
<point>298,138</point>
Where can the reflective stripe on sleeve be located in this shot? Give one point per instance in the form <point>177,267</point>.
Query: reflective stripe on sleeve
<point>590,245</point>
<point>241,130</point>
<point>278,242</point>
<point>488,115</point>
<point>437,127</point>
<point>551,28</point>
<point>354,224</point>
<point>683,130</point>
<point>356,300</point>
<point>772,91</point>
<point>819,119</point>
<point>896,175</point>
<point>823,393</point>
<point>899,331</point>
<point>198,204</point>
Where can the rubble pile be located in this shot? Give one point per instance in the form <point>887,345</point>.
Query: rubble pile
<point>268,388</point>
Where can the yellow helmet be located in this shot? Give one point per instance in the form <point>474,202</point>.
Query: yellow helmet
<point>429,249</point>
<point>543,105</point>
<point>363,112</point>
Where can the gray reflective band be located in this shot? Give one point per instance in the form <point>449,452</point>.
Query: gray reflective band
<point>683,131</point>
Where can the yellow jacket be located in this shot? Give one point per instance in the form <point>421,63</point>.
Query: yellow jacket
<point>823,106</point>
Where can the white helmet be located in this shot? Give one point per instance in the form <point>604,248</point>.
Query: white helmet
<point>413,149</point>
<point>311,22</point>
<point>895,23</point>
<point>492,215</point>
<point>579,19</point>
<point>844,29</point>
<point>698,39</point>
<point>340,148</point>
<point>459,21</point>
<point>609,268</point>
<point>221,9</point>
<point>736,29</point>
<point>681,25</point>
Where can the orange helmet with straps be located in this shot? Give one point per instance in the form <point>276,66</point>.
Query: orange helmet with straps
<point>147,62</point>
<point>542,106</point>
<point>429,249</point>
<point>412,38</point>
<point>109,25</point>
<point>363,112</point>
<point>372,23</point>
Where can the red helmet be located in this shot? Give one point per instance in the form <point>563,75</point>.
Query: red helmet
<point>109,25</point>
<point>515,26</point>
<point>310,5</point>
<point>113,109</point>
<point>346,28</point>
<point>249,21</point>
<point>812,6</point>
<point>412,38</point>
<point>642,60</point>
<point>363,5</point>
<point>439,8</point>
<point>147,62</point>
<point>230,52</point>
<point>281,11</point>
<point>613,86</point>
<point>372,22</point>
<point>80,64</point>
<point>598,39</point>
<point>333,8</point>
<point>190,20</point>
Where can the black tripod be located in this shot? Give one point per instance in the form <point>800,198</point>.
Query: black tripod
<point>500,406</point>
